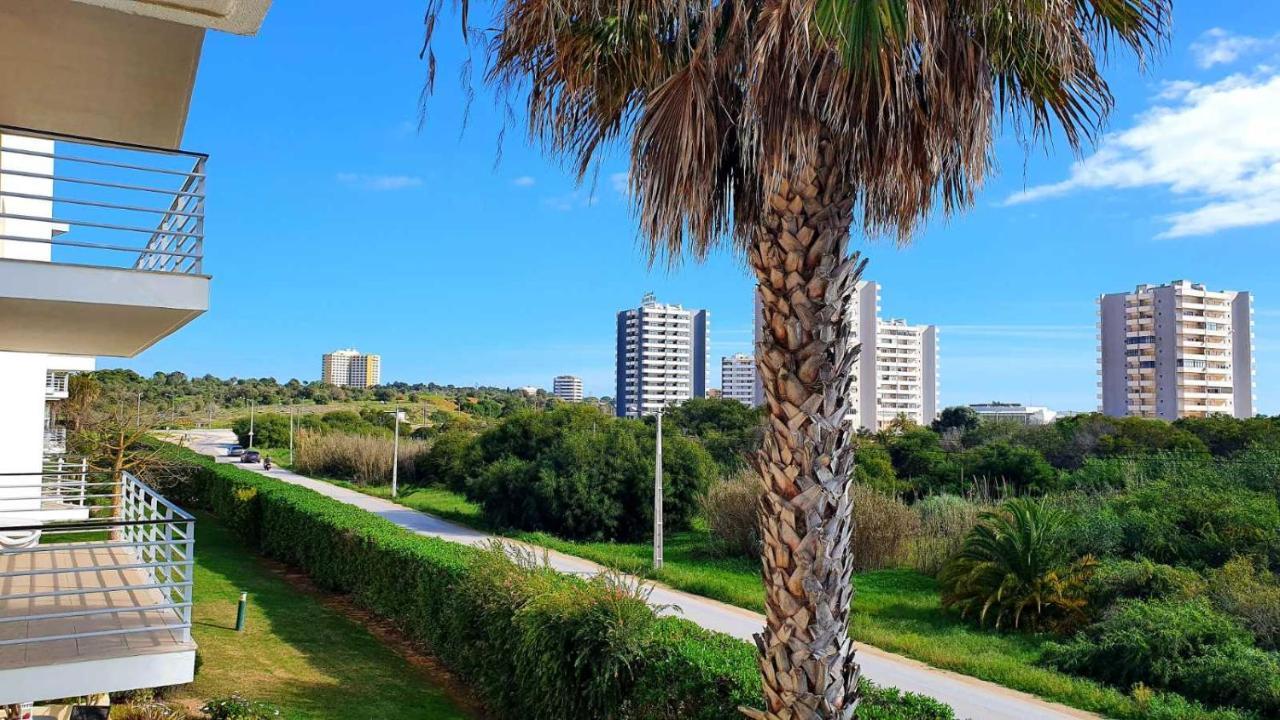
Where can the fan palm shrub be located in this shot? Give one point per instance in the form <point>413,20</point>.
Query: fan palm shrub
<point>774,127</point>
<point>1014,570</point>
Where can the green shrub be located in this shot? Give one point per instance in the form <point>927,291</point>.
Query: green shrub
<point>236,707</point>
<point>449,460</point>
<point>732,509</point>
<point>1251,595</point>
<point>1020,469</point>
<point>1116,579</point>
<point>1015,571</point>
<point>532,643</point>
<point>1184,646</point>
<point>727,429</point>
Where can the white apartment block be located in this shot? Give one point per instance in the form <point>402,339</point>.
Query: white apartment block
<point>101,254</point>
<point>1014,413</point>
<point>567,388</point>
<point>351,368</point>
<point>896,374</point>
<point>738,378</point>
<point>661,357</point>
<point>1174,351</point>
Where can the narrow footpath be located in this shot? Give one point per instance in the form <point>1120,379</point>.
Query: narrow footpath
<point>971,698</point>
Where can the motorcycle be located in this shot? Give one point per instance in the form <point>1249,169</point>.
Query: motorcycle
<point>266,464</point>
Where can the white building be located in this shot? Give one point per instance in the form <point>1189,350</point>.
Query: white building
<point>107,260</point>
<point>1174,351</point>
<point>738,378</point>
<point>567,388</point>
<point>661,357</point>
<point>1015,413</point>
<point>351,368</point>
<point>896,374</point>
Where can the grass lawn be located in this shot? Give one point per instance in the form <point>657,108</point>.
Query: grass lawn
<point>895,610</point>
<point>296,651</point>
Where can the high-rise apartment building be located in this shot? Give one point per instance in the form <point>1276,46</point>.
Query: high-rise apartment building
<point>661,357</point>
<point>1174,351</point>
<point>567,388</point>
<point>896,374</point>
<point>738,378</point>
<point>350,368</point>
<point>102,230</point>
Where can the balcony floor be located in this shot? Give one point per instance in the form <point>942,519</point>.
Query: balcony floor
<point>57,652</point>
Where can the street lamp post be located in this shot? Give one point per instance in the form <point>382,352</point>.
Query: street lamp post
<point>395,454</point>
<point>251,408</point>
<point>291,437</point>
<point>657,499</point>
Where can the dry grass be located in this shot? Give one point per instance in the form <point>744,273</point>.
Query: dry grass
<point>943,523</point>
<point>361,459</point>
<point>883,527</point>
<point>731,508</point>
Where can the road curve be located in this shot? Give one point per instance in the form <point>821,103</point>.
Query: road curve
<point>971,698</point>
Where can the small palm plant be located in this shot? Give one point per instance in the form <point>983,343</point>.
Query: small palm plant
<point>1013,570</point>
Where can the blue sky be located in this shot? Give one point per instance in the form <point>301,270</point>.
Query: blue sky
<point>335,222</point>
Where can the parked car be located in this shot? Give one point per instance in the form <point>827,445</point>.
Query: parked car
<point>251,456</point>
<point>235,451</point>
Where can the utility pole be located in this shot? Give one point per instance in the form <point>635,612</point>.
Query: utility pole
<point>657,499</point>
<point>251,407</point>
<point>395,455</point>
<point>290,437</point>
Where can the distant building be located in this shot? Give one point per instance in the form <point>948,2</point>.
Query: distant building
<point>529,391</point>
<point>349,368</point>
<point>738,378</point>
<point>896,373</point>
<point>661,357</point>
<point>1174,351</point>
<point>1015,412</point>
<point>715,393</point>
<point>567,388</point>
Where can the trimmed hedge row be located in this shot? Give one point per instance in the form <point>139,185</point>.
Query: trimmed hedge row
<point>531,642</point>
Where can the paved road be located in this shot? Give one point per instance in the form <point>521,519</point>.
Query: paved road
<point>973,699</point>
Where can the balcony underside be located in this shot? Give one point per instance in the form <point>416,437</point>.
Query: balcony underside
<point>130,650</point>
<point>85,310</point>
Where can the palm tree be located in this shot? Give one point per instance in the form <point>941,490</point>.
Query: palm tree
<point>774,127</point>
<point>1014,570</point>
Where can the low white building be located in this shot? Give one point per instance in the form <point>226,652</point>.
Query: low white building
<point>738,378</point>
<point>567,388</point>
<point>1015,412</point>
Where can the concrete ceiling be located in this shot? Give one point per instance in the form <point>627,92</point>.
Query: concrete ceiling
<point>241,17</point>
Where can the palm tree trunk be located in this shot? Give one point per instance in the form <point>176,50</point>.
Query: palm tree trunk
<point>805,357</point>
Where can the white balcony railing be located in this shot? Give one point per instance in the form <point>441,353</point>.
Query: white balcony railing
<point>101,203</point>
<point>55,441</point>
<point>115,578</point>
<point>55,384</point>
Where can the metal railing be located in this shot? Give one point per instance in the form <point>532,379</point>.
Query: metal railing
<point>126,568</point>
<point>56,383</point>
<point>55,440</point>
<point>141,206</point>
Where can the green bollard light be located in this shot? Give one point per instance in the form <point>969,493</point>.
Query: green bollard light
<point>240,611</point>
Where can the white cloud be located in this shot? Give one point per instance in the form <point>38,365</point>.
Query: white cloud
<point>621,182</point>
<point>379,182</point>
<point>570,201</point>
<point>1221,47</point>
<point>1216,146</point>
<point>524,181</point>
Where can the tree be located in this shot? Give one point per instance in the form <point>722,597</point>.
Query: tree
<point>960,417</point>
<point>773,126</point>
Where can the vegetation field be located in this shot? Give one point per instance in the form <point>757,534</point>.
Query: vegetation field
<point>296,652</point>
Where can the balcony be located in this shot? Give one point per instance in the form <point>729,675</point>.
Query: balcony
<point>55,441</point>
<point>55,384</point>
<point>101,244</point>
<point>107,595</point>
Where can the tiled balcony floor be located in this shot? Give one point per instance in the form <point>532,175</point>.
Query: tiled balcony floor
<point>139,618</point>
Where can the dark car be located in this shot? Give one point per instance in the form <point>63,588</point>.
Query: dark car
<point>251,456</point>
<point>235,451</point>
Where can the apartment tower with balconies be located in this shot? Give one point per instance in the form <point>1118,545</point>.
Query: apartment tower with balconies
<point>738,378</point>
<point>1174,351</point>
<point>567,388</point>
<point>351,368</point>
<point>661,357</point>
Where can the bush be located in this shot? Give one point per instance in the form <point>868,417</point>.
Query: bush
<point>1185,646</point>
<point>727,429</point>
<point>1021,469</point>
<point>1117,579</point>
<point>532,643</point>
<point>1251,595</point>
<point>732,509</point>
<point>577,473</point>
<point>361,459</point>
<point>150,710</point>
<point>235,707</point>
<point>944,521</point>
<point>448,462</point>
<point>882,528</point>
<point>1013,566</point>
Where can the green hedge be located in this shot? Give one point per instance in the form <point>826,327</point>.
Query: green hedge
<point>531,642</point>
